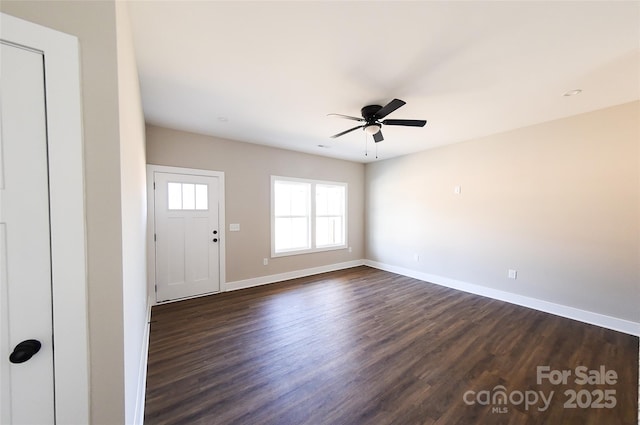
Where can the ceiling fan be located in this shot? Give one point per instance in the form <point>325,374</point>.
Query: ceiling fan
<point>371,116</point>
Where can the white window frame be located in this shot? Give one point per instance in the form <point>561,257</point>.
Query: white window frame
<point>312,217</point>
<point>196,197</point>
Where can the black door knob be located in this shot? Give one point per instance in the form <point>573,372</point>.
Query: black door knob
<point>215,239</point>
<point>25,350</point>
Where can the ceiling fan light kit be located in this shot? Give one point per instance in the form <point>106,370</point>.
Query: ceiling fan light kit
<point>372,129</point>
<point>372,116</point>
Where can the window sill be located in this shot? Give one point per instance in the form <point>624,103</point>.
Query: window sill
<point>308,251</point>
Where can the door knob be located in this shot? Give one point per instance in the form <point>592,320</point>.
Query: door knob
<point>215,239</point>
<point>25,350</point>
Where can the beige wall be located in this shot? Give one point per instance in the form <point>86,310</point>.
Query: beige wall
<point>95,24</point>
<point>134,219</point>
<point>247,169</point>
<point>559,202</point>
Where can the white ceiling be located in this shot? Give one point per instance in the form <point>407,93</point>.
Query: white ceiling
<point>269,72</point>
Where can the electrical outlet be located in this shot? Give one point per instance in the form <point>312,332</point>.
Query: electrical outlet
<point>457,190</point>
<point>513,274</point>
<point>350,249</point>
<point>265,261</point>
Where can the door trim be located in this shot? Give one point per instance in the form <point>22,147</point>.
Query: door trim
<point>67,212</point>
<point>151,214</point>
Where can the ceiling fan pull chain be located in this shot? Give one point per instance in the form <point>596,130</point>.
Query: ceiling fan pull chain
<point>366,145</point>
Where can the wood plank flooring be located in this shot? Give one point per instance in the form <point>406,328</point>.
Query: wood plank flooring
<point>364,346</point>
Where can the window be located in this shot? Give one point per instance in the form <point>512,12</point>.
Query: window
<point>187,196</point>
<point>330,200</point>
<point>292,213</point>
<point>307,216</point>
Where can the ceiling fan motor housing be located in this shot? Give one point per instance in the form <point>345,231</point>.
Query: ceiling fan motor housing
<point>369,112</point>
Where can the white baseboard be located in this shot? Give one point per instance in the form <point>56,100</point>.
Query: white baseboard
<point>264,280</point>
<point>616,324</point>
<point>142,374</point>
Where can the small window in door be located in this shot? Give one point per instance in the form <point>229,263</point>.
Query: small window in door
<point>187,196</point>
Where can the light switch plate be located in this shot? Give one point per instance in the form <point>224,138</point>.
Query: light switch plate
<point>234,227</point>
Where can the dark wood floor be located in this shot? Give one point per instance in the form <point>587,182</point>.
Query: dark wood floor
<point>363,346</point>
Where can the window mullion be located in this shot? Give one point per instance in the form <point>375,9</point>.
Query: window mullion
<point>312,216</point>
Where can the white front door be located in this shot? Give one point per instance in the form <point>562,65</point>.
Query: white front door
<point>26,382</point>
<point>187,235</point>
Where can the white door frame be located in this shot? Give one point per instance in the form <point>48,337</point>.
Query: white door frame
<point>67,213</point>
<point>151,214</point>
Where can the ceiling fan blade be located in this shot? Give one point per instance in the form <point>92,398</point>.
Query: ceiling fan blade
<point>346,131</point>
<point>389,108</point>
<point>347,117</point>
<point>410,123</point>
<point>377,137</point>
